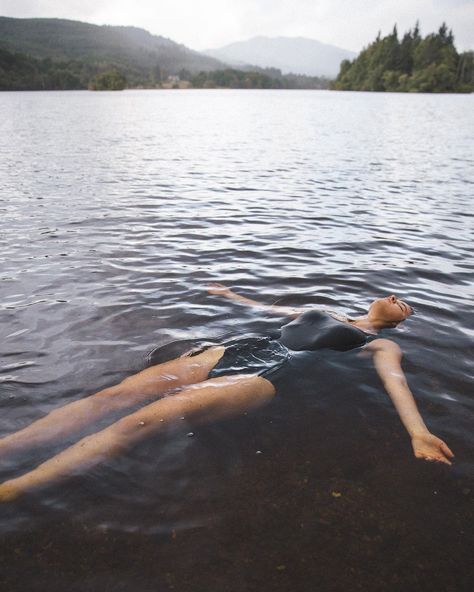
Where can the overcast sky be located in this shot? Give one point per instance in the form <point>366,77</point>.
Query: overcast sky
<point>203,24</point>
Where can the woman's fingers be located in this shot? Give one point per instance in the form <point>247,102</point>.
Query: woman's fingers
<point>217,289</point>
<point>432,449</point>
<point>441,459</point>
<point>447,451</point>
<point>216,286</point>
<point>432,457</point>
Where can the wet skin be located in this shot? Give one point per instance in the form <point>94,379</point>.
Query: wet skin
<point>202,400</point>
<point>390,308</point>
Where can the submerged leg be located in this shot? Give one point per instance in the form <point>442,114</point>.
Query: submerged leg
<point>213,399</point>
<point>139,388</point>
<point>201,403</point>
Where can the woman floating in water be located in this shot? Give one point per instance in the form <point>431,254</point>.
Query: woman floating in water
<point>216,382</point>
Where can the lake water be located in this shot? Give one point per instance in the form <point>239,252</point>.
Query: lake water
<point>116,210</point>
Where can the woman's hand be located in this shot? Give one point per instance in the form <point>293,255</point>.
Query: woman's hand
<point>218,289</point>
<point>221,290</point>
<point>431,448</point>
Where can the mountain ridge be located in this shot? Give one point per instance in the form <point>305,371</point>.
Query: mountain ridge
<point>63,54</point>
<point>298,55</point>
<point>64,39</point>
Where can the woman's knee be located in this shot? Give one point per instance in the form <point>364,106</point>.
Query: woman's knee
<point>266,386</point>
<point>237,386</point>
<point>261,387</point>
<point>177,372</point>
<point>194,369</point>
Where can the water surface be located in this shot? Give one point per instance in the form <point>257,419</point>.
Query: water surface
<point>116,209</point>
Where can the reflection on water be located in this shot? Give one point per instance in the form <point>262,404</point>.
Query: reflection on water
<point>117,209</point>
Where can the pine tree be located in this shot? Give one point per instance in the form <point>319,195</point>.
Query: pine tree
<point>414,64</point>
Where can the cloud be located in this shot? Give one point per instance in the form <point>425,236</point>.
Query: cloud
<point>72,9</point>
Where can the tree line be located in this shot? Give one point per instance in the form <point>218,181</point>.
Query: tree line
<point>409,64</point>
<point>412,64</point>
<point>261,78</point>
<point>23,72</point>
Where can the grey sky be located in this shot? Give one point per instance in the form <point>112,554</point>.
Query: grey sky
<point>202,24</point>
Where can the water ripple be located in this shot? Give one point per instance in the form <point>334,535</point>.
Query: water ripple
<point>111,230</point>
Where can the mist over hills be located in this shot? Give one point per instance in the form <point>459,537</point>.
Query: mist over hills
<point>59,54</point>
<point>296,55</point>
<point>136,49</point>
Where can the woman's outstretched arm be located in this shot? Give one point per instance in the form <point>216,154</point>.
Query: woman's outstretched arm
<point>387,359</point>
<point>286,311</point>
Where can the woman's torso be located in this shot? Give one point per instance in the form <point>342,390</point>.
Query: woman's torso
<point>311,331</point>
<point>314,330</point>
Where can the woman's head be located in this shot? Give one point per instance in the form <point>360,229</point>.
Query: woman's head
<point>389,311</point>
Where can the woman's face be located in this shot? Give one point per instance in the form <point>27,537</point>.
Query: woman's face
<point>390,309</point>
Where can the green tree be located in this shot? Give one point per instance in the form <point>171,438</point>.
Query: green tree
<point>413,64</point>
<point>433,78</point>
<point>465,73</point>
<point>408,45</point>
<point>109,80</point>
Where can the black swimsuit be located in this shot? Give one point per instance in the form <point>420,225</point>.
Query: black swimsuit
<point>313,330</point>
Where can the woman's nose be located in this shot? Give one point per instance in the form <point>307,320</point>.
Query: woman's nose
<point>393,298</point>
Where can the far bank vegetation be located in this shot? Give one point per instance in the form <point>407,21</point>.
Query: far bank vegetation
<point>412,64</point>
<point>22,72</point>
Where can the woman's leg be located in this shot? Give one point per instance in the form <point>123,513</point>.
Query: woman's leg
<point>213,399</point>
<point>139,388</point>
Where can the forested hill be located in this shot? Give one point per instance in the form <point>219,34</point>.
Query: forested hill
<point>135,50</point>
<point>412,64</point>
<point>55,54</point>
